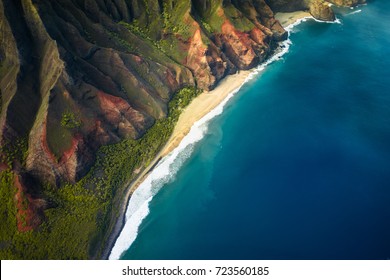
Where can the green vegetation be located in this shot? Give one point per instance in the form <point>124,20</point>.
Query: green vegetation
<point>214,17</point>
<point>174,18</point>
<point>84,212</point>
<point>238,19</point>
<point>15,151</point>
<point>206,26</point>
<point>129,47</point>
<point>136,29</point>
<point>60,132</point>
<point>65,235</point>
<point>62,123</point>
<point>170,45</point>
<point>7,213</point>
<point>59,139</point>
<point>211,18</point>
<point>69,120</point>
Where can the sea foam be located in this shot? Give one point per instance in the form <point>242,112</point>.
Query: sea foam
<point>354,12</point>
<point>167,168</point>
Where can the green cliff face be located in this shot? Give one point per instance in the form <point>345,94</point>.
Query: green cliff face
<point>90,91</point>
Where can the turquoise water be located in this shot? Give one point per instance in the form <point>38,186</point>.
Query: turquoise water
<point>298,164</point>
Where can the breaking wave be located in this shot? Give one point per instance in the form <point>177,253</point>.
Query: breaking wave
<point>354,12</point>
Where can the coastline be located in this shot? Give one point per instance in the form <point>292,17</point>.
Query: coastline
<point>207,101</point>
<point>195,111</point>
<point>287,19</point>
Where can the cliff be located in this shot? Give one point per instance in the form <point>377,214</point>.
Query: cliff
<point>77,75</point>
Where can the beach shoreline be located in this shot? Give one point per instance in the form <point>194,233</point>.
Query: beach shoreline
<point>288,19</point>
<point>195,111</point>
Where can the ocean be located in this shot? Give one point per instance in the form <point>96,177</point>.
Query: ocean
<point>295,165</point>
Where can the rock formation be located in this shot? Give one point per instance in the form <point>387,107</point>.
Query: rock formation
<point>321,10</point>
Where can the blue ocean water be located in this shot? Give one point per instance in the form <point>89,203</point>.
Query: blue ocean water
<point>298,164</point>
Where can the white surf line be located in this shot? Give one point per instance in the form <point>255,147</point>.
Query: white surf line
<point>355,12</point>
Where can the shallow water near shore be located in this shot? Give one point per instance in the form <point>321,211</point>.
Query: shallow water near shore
<point>298,164</point>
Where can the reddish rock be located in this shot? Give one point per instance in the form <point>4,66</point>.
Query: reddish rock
<point>117,112</point>
<point>197,61</point>
<point>238,46</point>
<point>29,210</point>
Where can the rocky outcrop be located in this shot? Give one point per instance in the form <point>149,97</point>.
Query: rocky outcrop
<point>262,16</point>
<point>321,10</point>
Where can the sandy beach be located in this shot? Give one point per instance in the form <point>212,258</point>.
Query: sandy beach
<point>195,111</point>
<point>287,19</point>
<point>201,105</point>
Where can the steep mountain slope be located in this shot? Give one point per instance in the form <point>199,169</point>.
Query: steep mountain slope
<point>70,62</point>
<point>76,75</point>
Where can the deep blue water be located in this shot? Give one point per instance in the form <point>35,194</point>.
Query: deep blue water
<point>298,164</point>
